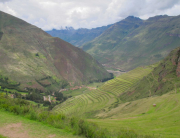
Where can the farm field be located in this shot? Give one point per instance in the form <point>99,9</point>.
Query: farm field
<point>142,117</point>
<point>16,126</point>
<point>104,98</point>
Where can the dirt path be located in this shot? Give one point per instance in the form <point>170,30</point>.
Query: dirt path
<point>17,131</point>
<point>14,131</point>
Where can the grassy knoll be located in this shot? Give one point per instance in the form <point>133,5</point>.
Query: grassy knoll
<point>28,128</point>
<point>104,98</point>
<point>140,115</point>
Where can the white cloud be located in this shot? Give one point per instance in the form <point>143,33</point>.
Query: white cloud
<point>4,0</point>
<point>49,14</point>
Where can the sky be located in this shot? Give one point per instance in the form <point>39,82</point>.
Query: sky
<point>57,14</point>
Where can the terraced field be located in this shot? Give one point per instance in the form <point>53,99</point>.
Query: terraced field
<point>141,116</point>
<point>125,81</point>
<point>103,98</point>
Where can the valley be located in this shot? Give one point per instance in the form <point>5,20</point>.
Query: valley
<point>127,85</point>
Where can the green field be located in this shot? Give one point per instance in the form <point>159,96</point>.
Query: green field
<point>140,115</point>
<point>104,98</point>
<point>17,126</point>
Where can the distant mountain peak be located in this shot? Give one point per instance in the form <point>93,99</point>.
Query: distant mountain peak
<point>132,18</point>
<point>157,17</point>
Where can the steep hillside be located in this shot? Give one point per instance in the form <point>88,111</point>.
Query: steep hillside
<point>35,59</point>
<point>78,37</point>
<point>133,42</point>
<point>164,78</point>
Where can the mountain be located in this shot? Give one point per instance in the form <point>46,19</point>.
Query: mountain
<point>78,37</point>
<point>164,78</point>
<point>31,57</point>
<point>133,42</point>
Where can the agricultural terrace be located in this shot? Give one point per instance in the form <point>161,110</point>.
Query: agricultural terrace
<point>105,97</point>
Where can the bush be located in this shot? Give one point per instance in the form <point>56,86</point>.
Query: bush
<point>75,125</point>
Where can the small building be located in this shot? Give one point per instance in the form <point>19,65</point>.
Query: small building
<point>12,96</point>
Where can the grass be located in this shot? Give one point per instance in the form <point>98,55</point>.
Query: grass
<point>1,136</point>
<point>34,129</point>
<point>95,84</point>
<point>140,115</point>
<point>104,98</point>
<point>70,124</point>
<point>74,92</point>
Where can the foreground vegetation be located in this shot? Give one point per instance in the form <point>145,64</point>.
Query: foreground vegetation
<point>17,126</point>
<point>71,124</point>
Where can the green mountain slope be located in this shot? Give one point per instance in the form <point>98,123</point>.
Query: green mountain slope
<point>133,42</point>
<point>35,59</point>
<point>78,37</point>
<point>164,78</point>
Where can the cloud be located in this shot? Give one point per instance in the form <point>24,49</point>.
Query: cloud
<point>49,14</point>
<point>4,0</point>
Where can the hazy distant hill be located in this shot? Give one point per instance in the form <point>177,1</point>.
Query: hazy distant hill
<point>35,59</point>
<point>133,42</point>
<point>78,37</point>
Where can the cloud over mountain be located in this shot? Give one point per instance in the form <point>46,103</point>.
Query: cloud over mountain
<point>48,14</point>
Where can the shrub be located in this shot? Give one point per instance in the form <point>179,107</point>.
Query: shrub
<point>75,125</point>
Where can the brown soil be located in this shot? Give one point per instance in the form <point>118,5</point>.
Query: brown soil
<point>14,131</point>
<point>51,136</point>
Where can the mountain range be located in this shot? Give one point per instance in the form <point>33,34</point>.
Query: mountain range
<point>78,37</point>
<point>134,42</point>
